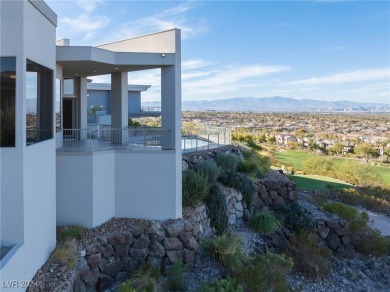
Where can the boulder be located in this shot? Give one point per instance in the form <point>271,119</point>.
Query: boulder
<point>273,194</point>
<point>192,244</point>
<point>139,254</point>
<point>141,242</point>
<point>107,251</point>
<point>175,256</point>
<point>94,260</point>
<point>158,236</point>
<point>172,244</point>
<point>104,282</point>
<point>175,228</point>
<point>122,250</point>
<point>94,248</point>
<point>112,269</point>
<point>157,248</point>
<point>333,241</point>
<point>116,238</point>
<point>323,231</point>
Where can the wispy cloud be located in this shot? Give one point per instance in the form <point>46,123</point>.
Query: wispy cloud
<point>347,77</point>
<point>228,79</point>
<point>88,5</point>
<point>175,17</point>
<point>86,24</point>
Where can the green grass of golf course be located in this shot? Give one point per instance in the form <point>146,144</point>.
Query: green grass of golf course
<point>318,182</point>
<point>296,158</point>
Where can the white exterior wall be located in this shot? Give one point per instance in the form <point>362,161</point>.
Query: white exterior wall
<point>27,173</point>
<point>146,185</point>
<point>85,188</point>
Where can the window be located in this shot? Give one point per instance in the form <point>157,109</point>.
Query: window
<point>39,103</point>
<point>7,101</point>
<point>69,87</point>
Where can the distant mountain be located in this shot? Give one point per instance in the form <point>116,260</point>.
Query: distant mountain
<point>277,104</point>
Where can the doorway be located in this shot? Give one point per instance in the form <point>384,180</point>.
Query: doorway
<point>68,110</point>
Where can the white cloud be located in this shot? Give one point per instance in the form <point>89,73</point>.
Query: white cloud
<point>85,24</point>
<point>228,79</point>
<point>88,5</point>
<point>174,17</point>
<point>347,77</point>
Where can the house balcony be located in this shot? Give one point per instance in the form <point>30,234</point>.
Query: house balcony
<point>131,138</point>
<point>145,111</point>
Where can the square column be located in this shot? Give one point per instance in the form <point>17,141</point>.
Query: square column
<point>119,107</point>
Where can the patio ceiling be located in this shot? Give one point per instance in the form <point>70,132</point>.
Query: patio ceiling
<point>92,61</point>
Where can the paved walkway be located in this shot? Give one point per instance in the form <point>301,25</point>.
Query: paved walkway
<point>378,221</point>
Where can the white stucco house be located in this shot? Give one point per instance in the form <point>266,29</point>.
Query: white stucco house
<point>51,176</point>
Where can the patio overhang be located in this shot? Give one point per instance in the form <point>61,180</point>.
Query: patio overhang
<point>78,61</point>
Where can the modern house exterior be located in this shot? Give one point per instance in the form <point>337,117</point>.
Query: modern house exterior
<point>99,103</point>
<point>51,176</point>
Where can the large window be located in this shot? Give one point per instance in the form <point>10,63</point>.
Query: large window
<point>39,103</point>
<point>7,101</point>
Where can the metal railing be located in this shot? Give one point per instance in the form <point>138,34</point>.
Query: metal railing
<point>150,109</point>
<point>35,135</point>
<point>132,138</point>
<point>197,138</point>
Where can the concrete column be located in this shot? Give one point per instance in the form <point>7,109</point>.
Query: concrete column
<point>81,83</point>
<point>119,105</point>
<point>171,104</point>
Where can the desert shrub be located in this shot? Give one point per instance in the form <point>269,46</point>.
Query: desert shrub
<point>370,242</point>
<point>265,273</point>
<point>71,232</point>
<point>247,166</point>
<point>265,222</point>
<point>254,163</point>
<point>311,257</point>
<point>209,169</point>
<point>343,210</point>
<point>146,279</point>
<point>241,183</point>
<point>226,250</point>
<point>296,217</point>
<point>376,199</point>
<point>223,285</point>
<point>253,145</point>
<point>63,255</point>
<point>175,277</point>
<point>195,188</point>
<point>216,205</point>
<point>318,165</point>
<point>228,161</point>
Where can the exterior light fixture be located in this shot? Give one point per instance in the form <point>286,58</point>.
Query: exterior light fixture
<point>162,55</point>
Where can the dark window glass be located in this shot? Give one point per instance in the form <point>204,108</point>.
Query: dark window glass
<point>39,103</point>
<point>7,101</point>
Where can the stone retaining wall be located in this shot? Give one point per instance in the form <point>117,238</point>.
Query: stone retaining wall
<point>119,254</point>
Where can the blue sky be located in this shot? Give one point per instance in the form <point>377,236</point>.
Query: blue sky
<point>324,49</point>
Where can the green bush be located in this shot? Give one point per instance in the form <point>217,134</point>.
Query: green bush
<point>63,255</point>
<point>175,277</point>
<point>311,258</point>
<point>343,210</point>
<point>223,285</point>
<point>195,188</point>
<point>71,232</point>
<point>370,242</point>
<point>209,169</point>
<point>226,250</point>
<point>228,161</point>
<point>216,205</point>
<point>241,183</point>
<point>265,222</point>
<point>145,279</point>
<point>254,163</point>
<point>296,217</point>
<point>266,273</point>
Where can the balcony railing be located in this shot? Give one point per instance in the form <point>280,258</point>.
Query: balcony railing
<point>197,137</point>
<point>150,109</point>
<point>132,138</point>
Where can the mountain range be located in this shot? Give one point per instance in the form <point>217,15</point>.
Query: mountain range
<point>276,104</point>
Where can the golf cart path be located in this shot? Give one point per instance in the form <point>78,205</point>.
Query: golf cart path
<point>378,221</point>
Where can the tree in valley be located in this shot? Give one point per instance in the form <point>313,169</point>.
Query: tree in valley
<point>366,151</point>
